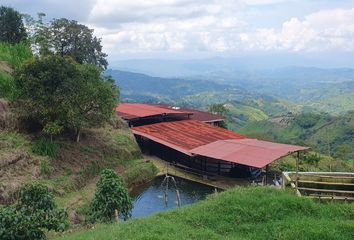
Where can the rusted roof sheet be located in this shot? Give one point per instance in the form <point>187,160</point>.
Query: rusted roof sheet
<point>184,135</point>
<point>130,111</point>
<point>197,114</point>
<point>250,152</point>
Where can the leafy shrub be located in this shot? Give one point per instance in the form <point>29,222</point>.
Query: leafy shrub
<point>44,147</point>
<point>7,86</point>
<point>307,120</point>
<point>111,194</point>
<point>46,168</point>
<point>15,54</point>
<point>140,172</point>
<point>34,212</point>
<point>312,158</point>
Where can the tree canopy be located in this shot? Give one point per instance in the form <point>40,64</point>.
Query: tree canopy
<point>34,212</point>
<point>61,94</point>
<point>12,29</point>
<point>111,195</point>
<point>69,38</point>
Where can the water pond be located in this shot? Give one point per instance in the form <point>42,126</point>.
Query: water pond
<point>151,198</point>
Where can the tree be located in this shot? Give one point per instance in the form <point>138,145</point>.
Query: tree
<point>61,94</point>
<point>219,109</point>
<point>92,101</point>
<point>111,195</point>
<point>307,120</point>
<point>12,29</point>
<point>69,38</point>
<point>34,212</point>
<point>38,34</point>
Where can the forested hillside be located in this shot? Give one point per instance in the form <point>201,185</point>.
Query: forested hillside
<point>330,135</point>
<point>244,106</point>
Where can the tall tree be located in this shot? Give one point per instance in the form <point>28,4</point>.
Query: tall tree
<point>61,94</point>
<point>69,38</point>
<point>12,29</point>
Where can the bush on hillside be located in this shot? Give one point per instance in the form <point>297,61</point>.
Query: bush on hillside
<point>111,195</point>
<point>307,120</point>
<point>61,94</point>
<point>312,158</point>
<point>35,212</point>
<point>44,147</point>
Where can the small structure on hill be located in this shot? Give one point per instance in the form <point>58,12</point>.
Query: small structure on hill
<point>137,114</point>
<point>176,136</point>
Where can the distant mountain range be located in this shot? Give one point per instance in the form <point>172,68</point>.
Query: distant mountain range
<point>330,90</point>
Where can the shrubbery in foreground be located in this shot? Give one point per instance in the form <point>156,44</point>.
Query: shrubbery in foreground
<point>34,213</point>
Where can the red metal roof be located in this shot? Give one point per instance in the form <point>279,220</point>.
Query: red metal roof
<point>197,114</point>
<point>184,135</point>
<point>250,152</point>
<point>136,110</point>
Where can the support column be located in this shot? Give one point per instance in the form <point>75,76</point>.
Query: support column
<point>297,171</point>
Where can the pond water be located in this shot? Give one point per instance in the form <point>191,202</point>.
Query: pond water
<point>150,197</point>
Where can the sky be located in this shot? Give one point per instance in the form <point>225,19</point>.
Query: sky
<point>207,28</point>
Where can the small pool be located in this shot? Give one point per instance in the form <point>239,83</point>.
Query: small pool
<point>150,197</point>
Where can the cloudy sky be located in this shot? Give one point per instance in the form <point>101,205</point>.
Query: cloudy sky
<point>198,28</point>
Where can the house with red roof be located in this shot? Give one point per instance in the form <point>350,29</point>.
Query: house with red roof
<point>189,138</point>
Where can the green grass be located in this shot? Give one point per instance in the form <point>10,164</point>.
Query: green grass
<point>14,55</point>
<point>140,172</point>
<point>241,213</point>
<point>14,141</point>
<point>7,86</point>
<point>45,147</point>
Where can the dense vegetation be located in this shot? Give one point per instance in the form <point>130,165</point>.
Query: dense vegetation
<point>12,29</point>
<point>111,198</point>
<point>11,57</point>
<point>61,94</point>
<point>330,135</point>
<point>241,213</point>
<point>34,213</point>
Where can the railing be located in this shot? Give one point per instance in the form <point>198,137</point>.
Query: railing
<point>321,185</point>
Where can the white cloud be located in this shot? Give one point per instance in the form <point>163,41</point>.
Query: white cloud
<point>319,31</point>
<point>264,2</point>
<point>166,25</point>
<point>214,26</point>
<point>208,26</point>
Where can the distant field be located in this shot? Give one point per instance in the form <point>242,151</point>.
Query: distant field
<point>241,213</point>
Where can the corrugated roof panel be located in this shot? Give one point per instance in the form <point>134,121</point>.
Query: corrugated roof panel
<point>250,152</point>
<point>136,110</point>
<point>184,135</point>
<point>197,114</point>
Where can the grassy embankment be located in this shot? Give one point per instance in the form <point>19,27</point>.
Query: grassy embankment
<point>11,57</point>
<point>68,168</point>
<point>241,213</point>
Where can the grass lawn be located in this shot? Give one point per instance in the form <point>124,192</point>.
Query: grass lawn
<point>241,213</point>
